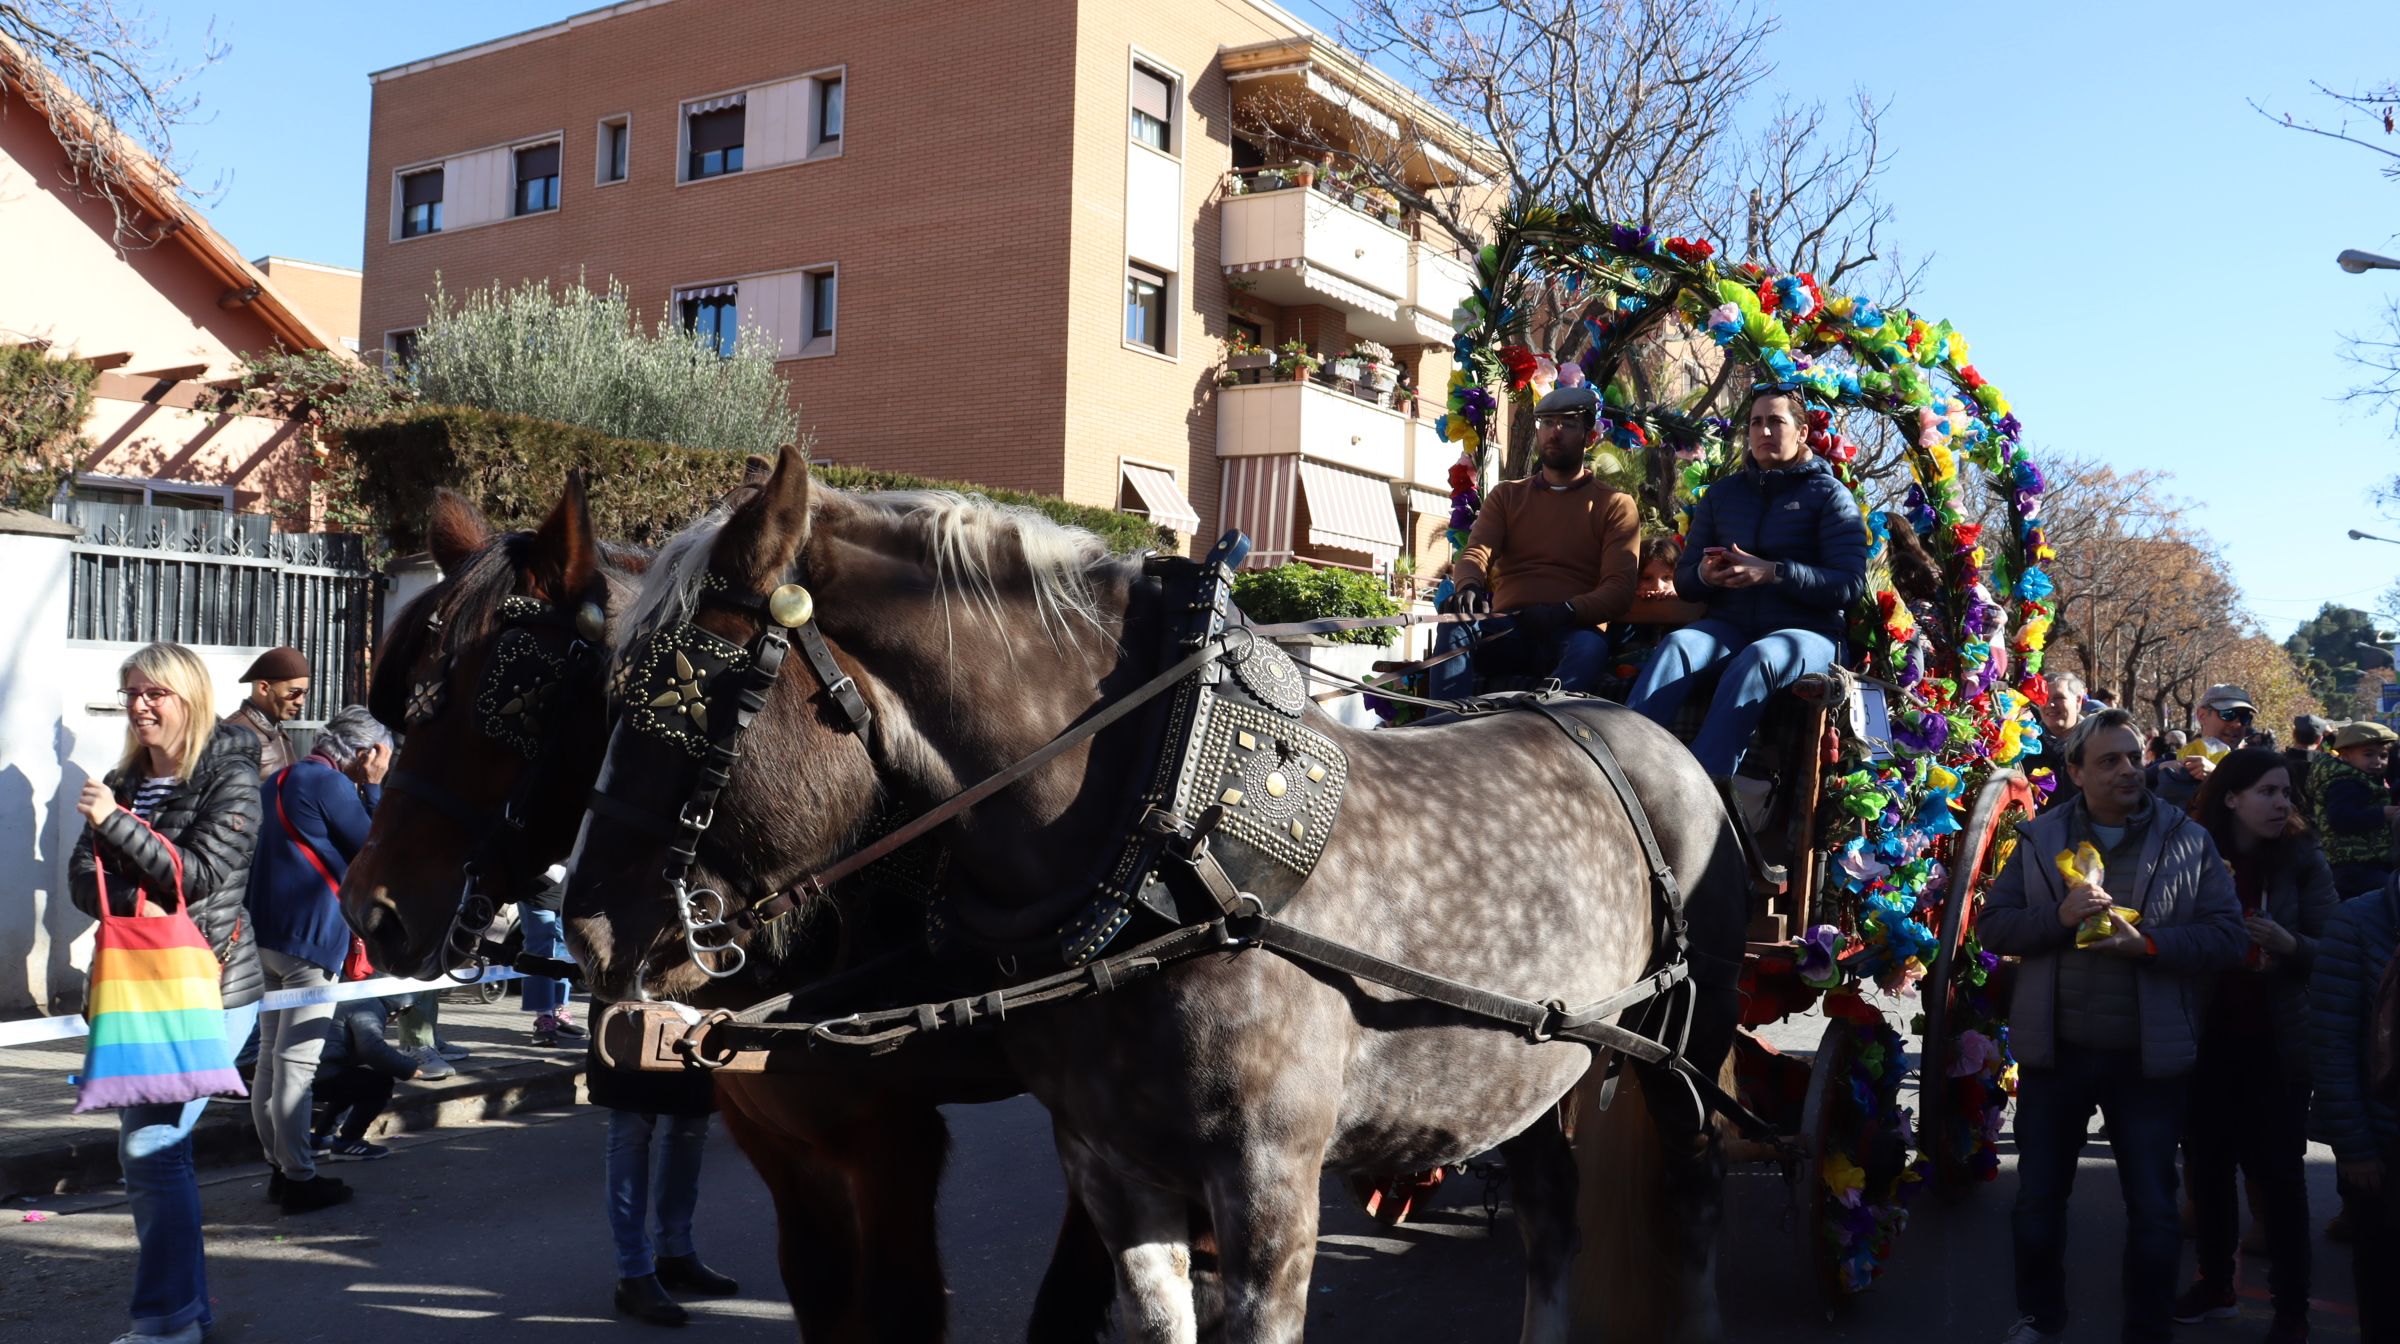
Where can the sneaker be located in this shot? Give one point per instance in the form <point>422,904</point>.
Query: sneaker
<point>2205,1301</point>
<point>431,1067</point>
<point>358,1150</point>
<point>276,1185</point>
<point>549,1030</point>
<point>317,1192</point>
<point>569,1031</point>
<point>452,1052</point>
<point>320,1144</point>
<point>2026,1332</point>
<point>189,1334</point>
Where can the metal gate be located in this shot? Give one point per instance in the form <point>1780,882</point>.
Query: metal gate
<point>144,572</point>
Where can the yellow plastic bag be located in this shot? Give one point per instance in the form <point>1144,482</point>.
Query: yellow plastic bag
<point>2206,748</point>
<point>2081,867</point>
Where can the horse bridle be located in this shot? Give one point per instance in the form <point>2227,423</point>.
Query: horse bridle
<point>671,686</point>
<point>515,705</point>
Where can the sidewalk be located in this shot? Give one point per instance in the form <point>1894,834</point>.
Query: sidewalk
<point>45,1148</point>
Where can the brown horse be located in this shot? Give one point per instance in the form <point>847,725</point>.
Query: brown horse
<point>852,1154</point>
<point>1488,851</point>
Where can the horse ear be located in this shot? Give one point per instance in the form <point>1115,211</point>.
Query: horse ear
<point>565,553</point>
<point>757,468</point>
<point>456,531</point>
<point>768,531</point>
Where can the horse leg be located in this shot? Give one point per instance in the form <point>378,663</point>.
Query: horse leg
<point>1265,1211</point>
<point>1541,1176</point>
<point>1072,1304</point>
<point>816,1222</point>
<point>897,1177</point>
<point>1692,1172</point>
<point>1145,1231</point>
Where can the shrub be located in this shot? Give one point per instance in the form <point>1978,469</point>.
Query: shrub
<point>581,358</point>
<point>511,467</point>
<point>1304,592</point>
<point>44,401</point>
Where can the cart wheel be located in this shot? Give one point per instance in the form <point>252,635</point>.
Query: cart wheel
<point>2005,799</point>
<point>1837,1051</point>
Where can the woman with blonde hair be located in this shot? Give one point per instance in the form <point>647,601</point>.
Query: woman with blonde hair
<point>182,800</point>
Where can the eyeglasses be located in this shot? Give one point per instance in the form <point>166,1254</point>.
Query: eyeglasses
<point>2235,715</point>
<point>148,695</point>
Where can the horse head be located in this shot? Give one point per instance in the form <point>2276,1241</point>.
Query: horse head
<point>494,678</point>
<point>919,642</point>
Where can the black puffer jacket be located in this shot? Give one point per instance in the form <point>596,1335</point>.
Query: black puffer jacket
<point>212,819</point>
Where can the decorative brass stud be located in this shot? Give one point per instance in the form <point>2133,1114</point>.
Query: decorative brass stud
<point>1231,798</point>
<point>1276,784</point>
<point>1299,831</point>
<point>791,606</point>
<point>1584,733</point>
<point>684,695</point>
<point>1316,774</point>
<point>1247,742</point>
<point>591,623</point>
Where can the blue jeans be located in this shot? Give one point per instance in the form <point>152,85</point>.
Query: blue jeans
<point>673,1185</point>
<point>2145,1127</point>
<point>1576,655</point>
<point>544,937</point>
<point>1758,668</point>
<point>154,1146</point>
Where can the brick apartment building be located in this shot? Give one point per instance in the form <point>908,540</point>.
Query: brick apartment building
<point>998,243</point>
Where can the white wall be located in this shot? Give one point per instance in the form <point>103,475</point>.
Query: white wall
<point>59,725</point>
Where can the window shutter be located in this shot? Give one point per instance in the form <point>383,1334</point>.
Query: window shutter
<point>537,162</point>
<point>716,130</point>
<point>1152,92</point>
<point>421,188</point>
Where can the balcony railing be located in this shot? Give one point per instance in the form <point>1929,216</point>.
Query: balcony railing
<point>1297,246</point>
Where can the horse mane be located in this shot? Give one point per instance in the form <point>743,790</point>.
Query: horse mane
<point>964,538</point>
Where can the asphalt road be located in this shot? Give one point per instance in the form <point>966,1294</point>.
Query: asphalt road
<point>495,1233</point>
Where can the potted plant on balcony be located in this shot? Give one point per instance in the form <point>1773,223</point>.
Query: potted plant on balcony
<point>1304,175</point>
<point>1243,356</point>
<point>1298,361</point>
<point>1375,364</point>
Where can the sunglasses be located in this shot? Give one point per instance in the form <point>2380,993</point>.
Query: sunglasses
<point>2235,715</point>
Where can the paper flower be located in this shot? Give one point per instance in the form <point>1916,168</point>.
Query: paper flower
<point>1845,1178</point>
<point>1976,1052</point>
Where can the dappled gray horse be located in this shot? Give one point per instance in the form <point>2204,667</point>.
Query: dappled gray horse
<point>951,639</point>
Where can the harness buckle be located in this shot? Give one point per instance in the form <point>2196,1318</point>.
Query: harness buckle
<point>700,823</point>
<point>1554,1019</point>
<point>692,1043</point>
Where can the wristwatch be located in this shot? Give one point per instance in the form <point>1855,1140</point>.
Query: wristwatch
<point>1778,578</point>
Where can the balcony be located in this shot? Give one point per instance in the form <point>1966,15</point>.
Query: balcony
<point>1437,283</point>
<point>1313,421</point>
<point>1298,245</point>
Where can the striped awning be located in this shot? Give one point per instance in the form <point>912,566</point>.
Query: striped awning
<point>707,292</point>
<point>715,104</point>
<point>1162,500</point>
<point>1260,496</point>
<point>1428,501</point>
<point>1350,511</point>
<point>1333,286</point>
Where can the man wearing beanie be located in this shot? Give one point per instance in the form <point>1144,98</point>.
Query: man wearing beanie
<point>1555,554</point>
<point>278,689</point>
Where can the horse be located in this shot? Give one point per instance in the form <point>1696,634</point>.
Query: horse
<point>1486,850</point>
<point>852,1155</point>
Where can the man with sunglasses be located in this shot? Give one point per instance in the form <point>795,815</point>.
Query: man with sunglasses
<point>278,692</point>
<point>2224,716</point>
<point>1557,554</point>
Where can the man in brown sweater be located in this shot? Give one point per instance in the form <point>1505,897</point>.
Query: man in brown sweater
<point>1556,554</point>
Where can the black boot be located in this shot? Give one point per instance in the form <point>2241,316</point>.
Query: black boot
<point>317,1192</point>
<point>685,1274</point>
<point>645,1301</point>
<point>276,1185</point>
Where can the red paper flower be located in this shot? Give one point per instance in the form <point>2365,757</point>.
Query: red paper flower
<point>1462,476</point>
<point>1691,249</point>
<point>1519,362</point>
<point>1968,375</point>
<point>1968,535</point>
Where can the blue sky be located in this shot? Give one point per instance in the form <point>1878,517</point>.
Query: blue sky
<point>2143,263</point>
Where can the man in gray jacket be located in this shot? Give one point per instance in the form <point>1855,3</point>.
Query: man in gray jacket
<point>2112,1026</point>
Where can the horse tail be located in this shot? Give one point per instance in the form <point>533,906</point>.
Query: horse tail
<point>1648,1215</point>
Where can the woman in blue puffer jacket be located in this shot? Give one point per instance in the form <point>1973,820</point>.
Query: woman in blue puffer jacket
<point>1778,553</point>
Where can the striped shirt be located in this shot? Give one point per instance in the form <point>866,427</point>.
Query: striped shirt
<point>150,793</point>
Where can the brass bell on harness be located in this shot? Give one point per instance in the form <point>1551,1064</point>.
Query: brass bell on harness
<point>591,623</point>
<point>790,606</point>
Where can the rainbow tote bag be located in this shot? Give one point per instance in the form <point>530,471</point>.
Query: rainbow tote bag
<point>156,1011</point>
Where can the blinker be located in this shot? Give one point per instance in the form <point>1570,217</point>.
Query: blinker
<point>591,623</point>
<point>790,606</point>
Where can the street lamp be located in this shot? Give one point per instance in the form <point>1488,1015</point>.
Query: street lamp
<point>2356,535</point>
<point>2359,263</point>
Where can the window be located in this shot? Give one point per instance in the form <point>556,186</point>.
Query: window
<point>1253,332</point>
<point>820,304</point>
<point>709,315</point>
<point>1153,108</point>
<point>1146,308</point>
<point>123,490</point>
<point>715,141</point>
<point>399,350</point>
<point>537,179</point>
<point>615,150</point>
<point>829,110</point>
<point>421,203</point>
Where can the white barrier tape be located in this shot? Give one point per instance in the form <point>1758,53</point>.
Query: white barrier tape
<point>39,1029</point>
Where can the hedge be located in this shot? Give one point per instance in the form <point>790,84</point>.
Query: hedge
<point>1303,592</point>
<point>44,401</point>
<point>511,467</point>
